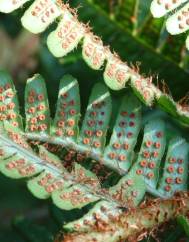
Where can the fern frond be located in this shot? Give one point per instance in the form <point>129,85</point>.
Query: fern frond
<point>177,23</point>
<point>157,166</point>
<point>120,151</point>
<point>143,172</point>
<point>161,8</point>
<point>48,175</point>
<point>91,139</point>
<point>70,32</point>
<point>9,106</point>
<point>37,107</point>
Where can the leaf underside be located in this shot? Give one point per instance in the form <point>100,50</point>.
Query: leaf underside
<point>70,32</point>
<point>159,167</point>
<point>176,23</point>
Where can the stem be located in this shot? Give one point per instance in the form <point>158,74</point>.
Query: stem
<point>71,145</point>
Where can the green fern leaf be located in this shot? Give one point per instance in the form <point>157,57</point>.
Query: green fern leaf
<point>37,107</point>
<point>117,154</point>
<point>17,158</point>
<point>9,6</point>
<point>9,106</point>
<point>144,89</point>
<point>175,173</point>
<point>44,184</point>
<point>93,51</point>
<point>96,120</point>
<point>161,8</point>
<point>36,20</point>
<point>120,151</point>
<point>65,123</point>
<point>114,216</point>
<point>48,177</point>
<point>116,73</point>
<point>70,32</point>
<point>177,23</point>
<point>67,35</point>
<point>151,152</point>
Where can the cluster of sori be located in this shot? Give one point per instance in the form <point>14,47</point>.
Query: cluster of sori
<point>178,22</point>
<point>117,74</point>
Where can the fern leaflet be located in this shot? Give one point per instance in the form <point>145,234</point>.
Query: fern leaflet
<point>70,32</point>
<point>47,174</point>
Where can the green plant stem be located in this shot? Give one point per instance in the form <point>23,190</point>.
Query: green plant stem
<point>70,145</point>
<point>81,149</point>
